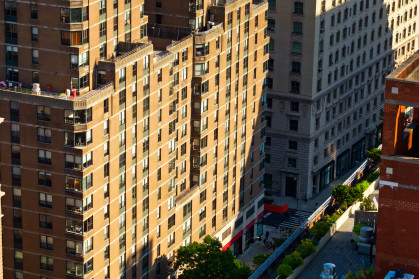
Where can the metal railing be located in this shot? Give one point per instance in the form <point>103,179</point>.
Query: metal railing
<point>275,256</point>
<point>264,268</point>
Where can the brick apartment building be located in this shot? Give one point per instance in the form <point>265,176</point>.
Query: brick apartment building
<point>161,144</point>
<point>397,231</point>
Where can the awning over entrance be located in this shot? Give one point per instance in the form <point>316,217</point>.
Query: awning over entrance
<point>275,208</point>
<point>250,225</point>
<point>232,241</point>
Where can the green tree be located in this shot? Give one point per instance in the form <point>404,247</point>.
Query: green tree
<point>207,260</point>
<point>374,154</point>
<point>341,194</point>
<point>367,205</point>
<point>356,193</point>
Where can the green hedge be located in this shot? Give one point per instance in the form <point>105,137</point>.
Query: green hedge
<point>306,248</point>
<point>260,259</point>
<point>319,229</point>
<point>294,260</point>
<point>373,176</point>
<point>284,271</point>
<point>357,228</point>
<point>346,196</point>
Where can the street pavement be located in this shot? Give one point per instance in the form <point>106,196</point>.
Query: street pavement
<point>294,220</point>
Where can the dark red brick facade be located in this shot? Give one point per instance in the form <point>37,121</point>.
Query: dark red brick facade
<point>398,211</point>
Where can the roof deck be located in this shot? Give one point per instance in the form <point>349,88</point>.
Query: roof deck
<point>57,99</point>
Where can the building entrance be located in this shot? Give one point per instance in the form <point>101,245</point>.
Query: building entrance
<point>291,186</point>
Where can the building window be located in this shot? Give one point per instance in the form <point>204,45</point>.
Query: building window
<point>74,248</point>
<point>298,8</point>
<point>127,18</point>
<point>293,145</point>
<point>297,28</point>
<point>74,15</point>
<point>12,55</point>
<point>102,7</point>
<point>10,10</point>
<point>293,125</point>
<point>44,135</point>
<point>34,34</point>
<point>296,67</point>
<point>11,33</point>
<point>45,221</point>
<point>295,87</point>
<point>44,157</point>
<point>294,106</point>
<point>34,11</point>
<point>143,31</point>
<point>74,268</point>
<point>12,74</point>
<point>46,242</point>
<point>296,48</point>
<point>45,200</point>
<point>171,222</point>
<point>43,113</point>
<point>292,162</point>
<point>47,263</point>
<point>202,231</point>
<point>88,266</point>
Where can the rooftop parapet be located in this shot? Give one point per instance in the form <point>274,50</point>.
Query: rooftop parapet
<point>408,71</point>
<point>57,99</point>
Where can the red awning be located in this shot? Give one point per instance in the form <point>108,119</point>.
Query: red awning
<point>260,215</point>
<point>250,225</point>
<point>275,208</point>
<point>232,241</point>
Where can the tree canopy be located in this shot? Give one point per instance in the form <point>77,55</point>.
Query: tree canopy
<point>207,260</point>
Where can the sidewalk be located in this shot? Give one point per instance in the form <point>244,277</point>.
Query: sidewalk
<point>313,203</point>
<point>258,247</point>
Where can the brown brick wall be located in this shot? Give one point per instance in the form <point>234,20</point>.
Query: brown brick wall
<point>397,243</point>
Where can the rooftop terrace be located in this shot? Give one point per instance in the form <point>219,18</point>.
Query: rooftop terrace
<point>57,99</point>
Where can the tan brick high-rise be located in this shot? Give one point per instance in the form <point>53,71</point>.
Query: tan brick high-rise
<point>161,143</point>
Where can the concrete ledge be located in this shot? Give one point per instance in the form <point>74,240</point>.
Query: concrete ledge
<point>299,269</point>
